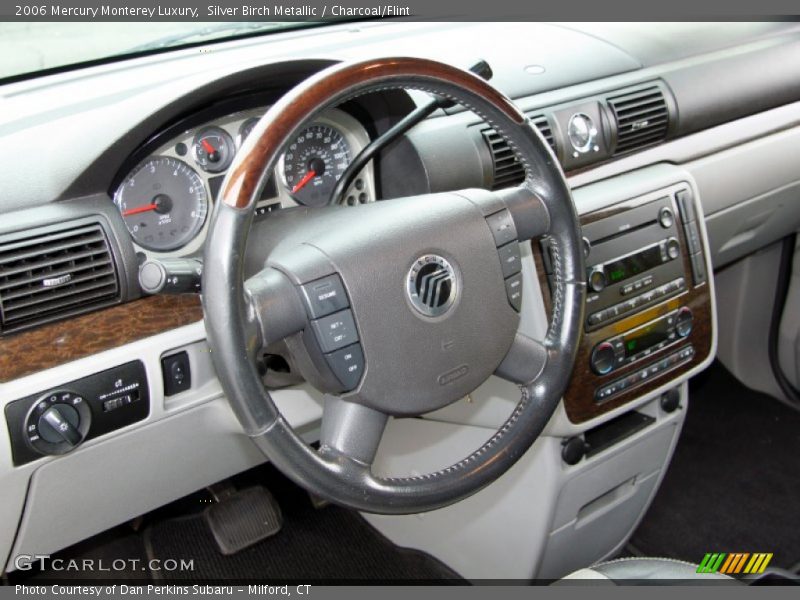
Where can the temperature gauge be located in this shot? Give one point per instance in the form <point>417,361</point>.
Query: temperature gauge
<point>213,149</point>
<point>246,128</point>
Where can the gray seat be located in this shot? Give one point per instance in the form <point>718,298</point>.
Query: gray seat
<point>645,571</point>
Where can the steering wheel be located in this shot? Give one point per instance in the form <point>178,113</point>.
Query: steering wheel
<point>393,308</point>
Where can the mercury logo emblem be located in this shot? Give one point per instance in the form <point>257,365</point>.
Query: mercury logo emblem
<point>432,285</point>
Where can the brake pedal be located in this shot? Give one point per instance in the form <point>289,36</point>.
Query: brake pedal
<point>243,518</point>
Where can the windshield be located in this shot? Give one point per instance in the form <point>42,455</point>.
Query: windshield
<point>27,48</point>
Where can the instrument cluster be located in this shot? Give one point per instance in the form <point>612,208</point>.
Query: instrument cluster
<point>166,200</point>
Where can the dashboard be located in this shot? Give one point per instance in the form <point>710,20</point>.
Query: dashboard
<point>167,198</point>
<point>134,175</point>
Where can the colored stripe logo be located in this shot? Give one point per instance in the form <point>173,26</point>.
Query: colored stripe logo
<point>735,563</point>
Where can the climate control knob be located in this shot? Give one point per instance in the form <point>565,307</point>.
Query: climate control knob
<point>683,321</point>
<point>603,357</point>
<point>58,422</point>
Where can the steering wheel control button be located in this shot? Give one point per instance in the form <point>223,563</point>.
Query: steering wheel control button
<point>502,226</point>
<point>510,259</point>
<point>432,286</point>
<point>335,331</point>
<point>325,296</point>
<point>177,373</point>
<point>514,291</point>
<point>348,365</point>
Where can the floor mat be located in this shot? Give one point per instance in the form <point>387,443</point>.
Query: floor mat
<point>734,482</point>
<point>325,544</point>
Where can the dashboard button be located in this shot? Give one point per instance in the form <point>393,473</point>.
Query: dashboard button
<point>348,365</point>
<point>665,217</point>
<point>510,259</point>
<point>698,268</point>
<point>603,358</point>
<point>324,296</point>
<point>177,373</point>
<point>502,226</point>
<point>692,238</point>
<point>597,280</point>
<point>335,331</point>
<point>686,205</point>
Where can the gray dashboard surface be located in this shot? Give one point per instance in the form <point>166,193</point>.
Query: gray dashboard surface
<point>60,125</point>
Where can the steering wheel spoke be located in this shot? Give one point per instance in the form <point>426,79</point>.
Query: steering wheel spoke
<point>528,210</point>
<point>275,309</point>
<point>525,361</point>
<point>351,429</point>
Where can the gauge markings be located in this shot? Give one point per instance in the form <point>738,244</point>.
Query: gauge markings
<point>313,163</point>
<point>163,203</point>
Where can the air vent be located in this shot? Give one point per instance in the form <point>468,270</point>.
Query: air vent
<point>54,273</point>
<point>506,168</point>
<point>642,118</point>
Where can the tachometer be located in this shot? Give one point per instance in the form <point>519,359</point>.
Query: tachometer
<point>163,203</point>
<point>313,163</point>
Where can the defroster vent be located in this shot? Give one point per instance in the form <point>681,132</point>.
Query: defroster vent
<point>50,273</point>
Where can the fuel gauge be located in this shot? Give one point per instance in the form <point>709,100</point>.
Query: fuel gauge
<point>213,149</point>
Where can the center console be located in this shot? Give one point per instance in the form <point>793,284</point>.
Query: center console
<point>648,305</point>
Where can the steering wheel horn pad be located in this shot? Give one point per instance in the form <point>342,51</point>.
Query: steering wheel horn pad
<point>427,293</point>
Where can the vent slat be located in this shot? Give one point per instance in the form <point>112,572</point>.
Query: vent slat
<point>93,275</point>
<point>507,169</point>
<point>632,136</point>
<point>49,265</point>
<point>642,118</point>
<point>54,273</point>
<point>35,251</point>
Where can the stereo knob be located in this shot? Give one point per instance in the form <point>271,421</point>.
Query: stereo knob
<point>673,248</point>
<point>58,422</point>
<point>597,280</point>
<point>603,357</point>
<point>665,217</point>
<point>684,321</point>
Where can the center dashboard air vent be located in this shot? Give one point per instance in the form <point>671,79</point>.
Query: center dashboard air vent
<point>53,272</point>
<point>642,117</point>
<point>505,166</point>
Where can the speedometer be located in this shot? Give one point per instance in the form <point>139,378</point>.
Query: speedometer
<point>163,203</point>
<point>313,163</point>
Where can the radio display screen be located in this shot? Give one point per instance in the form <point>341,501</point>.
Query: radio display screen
<point>646,337</point>
<point>630,266</point>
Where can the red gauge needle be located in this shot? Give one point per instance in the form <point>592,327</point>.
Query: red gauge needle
<point>139,209</point>
<point>207,145</point>
<point>306,178</point>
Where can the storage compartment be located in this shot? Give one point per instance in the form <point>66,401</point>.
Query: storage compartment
<point>599,507</point>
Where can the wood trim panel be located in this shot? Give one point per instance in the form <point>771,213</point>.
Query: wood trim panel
<point>579,398</point>
<point>64,341</point>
